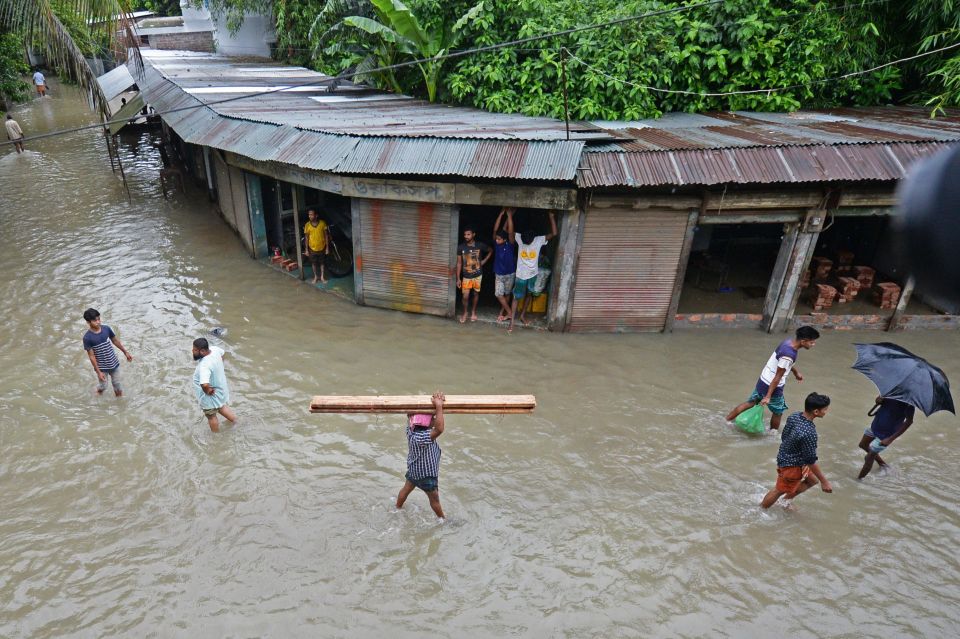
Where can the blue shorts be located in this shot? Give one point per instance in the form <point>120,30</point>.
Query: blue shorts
<point>522,287</point>
<point>777,405</point>
<point>426,484</point>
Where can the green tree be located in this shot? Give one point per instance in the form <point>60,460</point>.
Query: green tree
<point>393,34</point>
<point>37,21</point>
<point>12,68</point>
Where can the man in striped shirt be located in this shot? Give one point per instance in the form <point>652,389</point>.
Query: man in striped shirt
<point>99,342</point>
<point>423,456</point>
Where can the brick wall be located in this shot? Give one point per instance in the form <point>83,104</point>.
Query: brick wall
<point>192,41</point>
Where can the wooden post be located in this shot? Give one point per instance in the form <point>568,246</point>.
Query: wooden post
<point>775,286</point>
<point>681,270</point>
<point>790,292</point>
<point>905,295</point>
<point>206,166</point>
<point>357,253</point>
<point>565,265</point>
<point>297,190</point>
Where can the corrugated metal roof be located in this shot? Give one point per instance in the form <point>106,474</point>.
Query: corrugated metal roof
<point>442,144</point>
<point>755,165</point>
<point>349,110</point>
<point>764,148</point>
<point>115,82</point>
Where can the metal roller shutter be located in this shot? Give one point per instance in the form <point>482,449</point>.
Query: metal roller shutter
<point>627,269</point>
<point>406,253</point>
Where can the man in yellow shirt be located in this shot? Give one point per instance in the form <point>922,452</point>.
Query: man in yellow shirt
<point>317,234</point>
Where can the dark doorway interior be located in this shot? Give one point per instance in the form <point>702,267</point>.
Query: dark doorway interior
<point>730,267</point>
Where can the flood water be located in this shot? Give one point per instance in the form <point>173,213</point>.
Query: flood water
<point>624,506</point>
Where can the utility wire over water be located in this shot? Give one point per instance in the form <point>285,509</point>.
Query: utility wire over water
<point>624,506</point>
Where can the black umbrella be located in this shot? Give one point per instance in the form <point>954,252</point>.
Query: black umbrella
<point>899,374</point>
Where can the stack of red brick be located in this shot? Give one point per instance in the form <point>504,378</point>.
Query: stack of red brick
<point>847,288</point>
<point>285,263</point>
<point>821,296</point>
<point>886,294</point>
<point>864,275</point>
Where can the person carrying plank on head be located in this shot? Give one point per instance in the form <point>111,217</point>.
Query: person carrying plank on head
<point>773,377</point>
<point>423,455</point>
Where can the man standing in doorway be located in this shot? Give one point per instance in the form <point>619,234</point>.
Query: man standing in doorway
<point>471,256</point>
<point>317,234</point>
<point>210,384</point>
<point>528,264</point>
<point>504,264</point>
<point>99,342</point>
<point>14,133</point>
<point>773,377</point>
<point>40,82</point>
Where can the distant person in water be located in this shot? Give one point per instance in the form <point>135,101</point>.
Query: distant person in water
<point>99,341</point>
<point>40,83</point>
<point>210,384</point>
<point>891,420</point>
<point>797,467</point>
<point>773,377</point>
<point>423,455</point>
<point>14,133</point>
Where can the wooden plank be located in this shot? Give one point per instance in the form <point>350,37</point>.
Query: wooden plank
<point>643,202</point>
<point>751,218</point>
<point>463,404</point>
<point>762,200</point>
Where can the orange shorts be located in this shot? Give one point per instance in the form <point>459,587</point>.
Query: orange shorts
<point>789,479</point>
<point>471,284</point>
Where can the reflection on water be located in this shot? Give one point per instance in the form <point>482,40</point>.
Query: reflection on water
<point>624,506</point>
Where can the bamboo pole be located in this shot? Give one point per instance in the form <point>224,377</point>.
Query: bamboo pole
<point>462,404</point>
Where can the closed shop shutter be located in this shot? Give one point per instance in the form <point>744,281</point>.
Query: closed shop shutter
<point>626,270</point>
<point>406,255</point>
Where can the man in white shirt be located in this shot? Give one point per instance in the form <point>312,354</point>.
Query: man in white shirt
<point>14,133</point>
<point>210,384</point>
<point>528,256</point>
<point>40,82</point>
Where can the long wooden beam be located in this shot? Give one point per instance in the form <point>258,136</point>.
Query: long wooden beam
<point>463,404</point>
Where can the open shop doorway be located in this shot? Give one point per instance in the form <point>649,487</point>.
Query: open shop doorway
<point>482,220</point>
<point>854,271</point>
<point>730,268</point>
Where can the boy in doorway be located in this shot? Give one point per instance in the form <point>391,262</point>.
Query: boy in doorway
<point>892,420</point>
<point>773,377</point>
<point>528,259</point>
<point>317,236</point>
<point>471,256</point>
<point>423,455</point>
<point>504,263</point>
<point>797,467</point>
<point>99,341</point>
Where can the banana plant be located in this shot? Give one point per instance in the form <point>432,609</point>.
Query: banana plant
<point>392,34</point>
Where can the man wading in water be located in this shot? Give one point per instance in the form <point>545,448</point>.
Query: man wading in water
<point>773,377</point>
<point>210,384</point>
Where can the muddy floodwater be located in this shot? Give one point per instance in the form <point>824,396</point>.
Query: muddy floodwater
<point>624,506</point>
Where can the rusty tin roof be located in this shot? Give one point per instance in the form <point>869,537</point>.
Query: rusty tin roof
<point>353,129</point>
<point>763,148</point>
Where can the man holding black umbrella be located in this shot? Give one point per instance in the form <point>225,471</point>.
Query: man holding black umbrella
<point>891,420</point>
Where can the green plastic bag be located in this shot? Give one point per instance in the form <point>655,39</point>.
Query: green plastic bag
<point>751,420</point>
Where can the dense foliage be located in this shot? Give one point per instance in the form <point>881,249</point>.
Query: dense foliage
<point>794,47</point>
<point>12,69</point>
